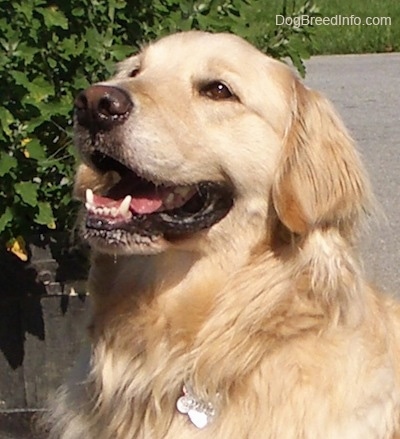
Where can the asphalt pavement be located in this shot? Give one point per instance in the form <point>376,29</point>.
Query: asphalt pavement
<point>366,91</point>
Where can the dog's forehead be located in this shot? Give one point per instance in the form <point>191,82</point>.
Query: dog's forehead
<point>199,44</point>
<point>193,51</point>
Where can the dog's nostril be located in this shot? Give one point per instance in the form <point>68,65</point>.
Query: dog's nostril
<point>81,102</point>
<point>109,106</point>
<point>101,107</point>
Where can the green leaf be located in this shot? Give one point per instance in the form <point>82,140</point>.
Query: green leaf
<point>53,17</point>
<point>45,215</point>
<point>33,123</point>
<point>20,78</point>
<point>7,163</point>
<point>120,4</point>
<point>78,12</point>
<point>6,119</point>
<point>5,218</point>
<point>35,150</point>
<point>94,39</point>
<point>52,63</point>
<point>26,53</point>
<point>40,89</point>
<point>119,52</point>
<point>69,46</point>
<point>47,110</point>
<point>28,192</point>
<point>80,83</point>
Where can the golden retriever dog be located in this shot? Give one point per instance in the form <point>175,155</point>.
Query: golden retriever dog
<point>223,201</point>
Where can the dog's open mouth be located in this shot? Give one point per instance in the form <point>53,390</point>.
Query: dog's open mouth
<point>135,205</point>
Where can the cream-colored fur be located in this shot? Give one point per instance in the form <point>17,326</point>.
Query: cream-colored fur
<point>266,314</point>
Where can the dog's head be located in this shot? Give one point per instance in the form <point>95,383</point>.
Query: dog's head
<point>201,140</point>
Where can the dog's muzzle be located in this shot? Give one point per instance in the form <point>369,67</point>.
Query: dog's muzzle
<point>134,205</point>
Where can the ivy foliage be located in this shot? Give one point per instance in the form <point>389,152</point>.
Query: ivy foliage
<point>49,50</point>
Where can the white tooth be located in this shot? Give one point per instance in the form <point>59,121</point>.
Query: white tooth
<point>89,206</point>
<point>123,208</point>
<point>89,196</point>
<point>182,191</point>
<point>106,211</point>
<point>114,211</point>
<point>169,200</point>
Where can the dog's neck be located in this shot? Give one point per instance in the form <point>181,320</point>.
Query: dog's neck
<point>176,273</point>
<point>172,271</point>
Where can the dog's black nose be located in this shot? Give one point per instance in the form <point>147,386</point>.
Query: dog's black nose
<point>101,107</point>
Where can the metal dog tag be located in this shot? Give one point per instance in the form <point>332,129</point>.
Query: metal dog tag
<point>199,413</point>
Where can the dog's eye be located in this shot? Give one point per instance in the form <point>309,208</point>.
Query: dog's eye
<point>217,90</point>
<point>134,72</point>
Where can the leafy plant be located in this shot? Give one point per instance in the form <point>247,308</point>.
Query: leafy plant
<point>51,50</point>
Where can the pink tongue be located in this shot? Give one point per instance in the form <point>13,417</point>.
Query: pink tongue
<point>142,204</point>
<point>144,199</point>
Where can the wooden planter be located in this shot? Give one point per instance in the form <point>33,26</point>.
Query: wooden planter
<point>42,327</point>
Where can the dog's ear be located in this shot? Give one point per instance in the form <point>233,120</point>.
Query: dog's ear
<point>320,194</point>
<point>320,180</point>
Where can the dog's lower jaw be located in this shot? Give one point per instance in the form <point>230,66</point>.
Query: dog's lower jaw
<point>119,243</point>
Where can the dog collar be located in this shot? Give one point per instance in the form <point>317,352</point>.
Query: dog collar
<point>200,413</point>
